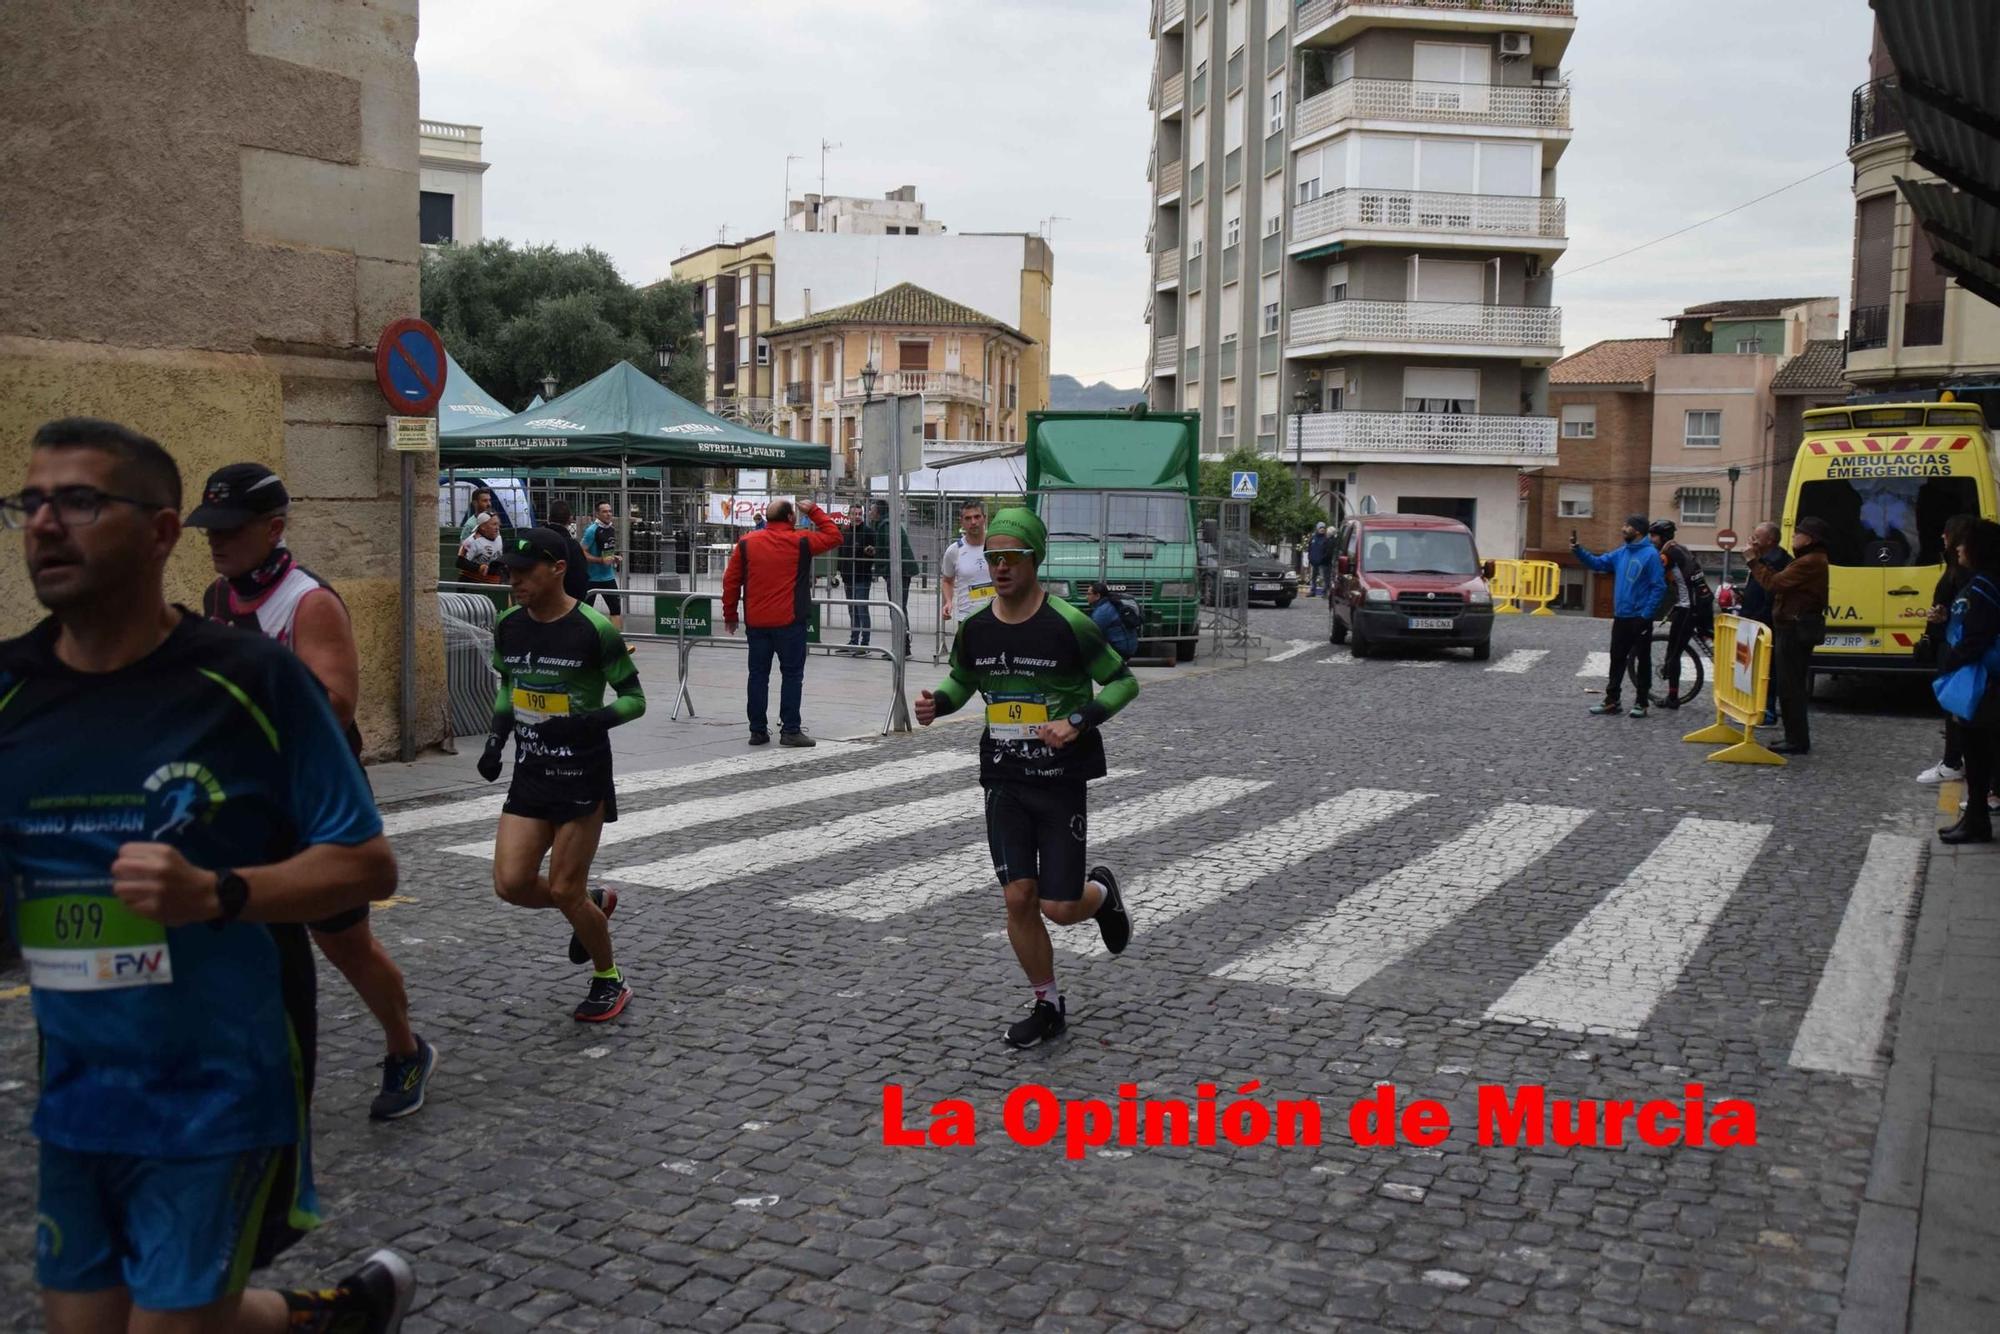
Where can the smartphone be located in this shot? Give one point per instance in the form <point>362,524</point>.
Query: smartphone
<point>1572,537</point>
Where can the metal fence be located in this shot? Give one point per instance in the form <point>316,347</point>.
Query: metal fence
<point>1226,581</point>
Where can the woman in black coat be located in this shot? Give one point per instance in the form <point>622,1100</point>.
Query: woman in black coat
<point>1977,614</point>
<point>1955,577</point>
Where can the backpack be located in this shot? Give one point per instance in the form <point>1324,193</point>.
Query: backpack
<point>1128,615</point>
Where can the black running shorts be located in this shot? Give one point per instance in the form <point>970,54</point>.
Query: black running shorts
<point>560,793</point>
<point>339,922</point>
<point>610,600</point>
<point>1035,831</point>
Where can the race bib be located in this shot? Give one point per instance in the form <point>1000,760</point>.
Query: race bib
<point>538,706</point>
<point>1015,717</point>
<point>91,942</point>
<point>979,593</point>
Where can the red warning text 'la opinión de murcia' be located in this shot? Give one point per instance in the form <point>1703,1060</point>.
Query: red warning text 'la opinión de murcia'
<point>1037,1117</point>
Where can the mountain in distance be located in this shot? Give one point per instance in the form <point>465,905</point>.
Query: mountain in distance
<point>1068,394</point>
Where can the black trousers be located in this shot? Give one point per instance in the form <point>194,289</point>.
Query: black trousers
<point>1631,637</point>
<point>1791,680</point>
<point>1680,629</point>
<point>1982,766</point>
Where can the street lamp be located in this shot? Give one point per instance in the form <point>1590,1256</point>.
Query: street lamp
<point>548,387</point>
<point>665,353</point>
<point>1300,398</point>
<point>868,377</point>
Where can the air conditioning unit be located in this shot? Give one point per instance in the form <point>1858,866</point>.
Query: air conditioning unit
<point>1516,45</point>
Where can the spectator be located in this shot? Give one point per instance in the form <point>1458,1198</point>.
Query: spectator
<point>770,574</point>
<point>1639,585</point>
<point>482,504</point>
<point>1798,619</point>
<point>600,543</point>
<point>1765,550</point>
<point>1117,618</point>
<point>1972,640</point>
<point>576,566</point>
<point>481,550</point>
<point>879,525</point>
<point>858,571</point>
<point>1949,585</point>
<point>1319,555</point>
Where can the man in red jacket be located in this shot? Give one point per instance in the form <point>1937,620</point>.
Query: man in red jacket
<point>771,572</point>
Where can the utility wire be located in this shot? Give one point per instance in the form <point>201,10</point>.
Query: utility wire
<point>1570,273</point>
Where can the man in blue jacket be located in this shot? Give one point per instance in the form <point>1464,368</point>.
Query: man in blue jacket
<point>1639,584</point>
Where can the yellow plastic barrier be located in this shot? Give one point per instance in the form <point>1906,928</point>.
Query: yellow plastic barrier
<point>1541,583</point>
<point>1742,687</point>
<point>1505,586</point>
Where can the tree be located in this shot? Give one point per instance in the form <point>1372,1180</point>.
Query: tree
<point>1281,511</point>
<point>512,315</point>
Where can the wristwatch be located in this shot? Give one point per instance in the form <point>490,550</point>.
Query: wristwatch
<point>1076,720</point>
<point>232,892</point>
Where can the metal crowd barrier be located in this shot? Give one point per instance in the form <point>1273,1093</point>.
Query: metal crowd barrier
<point>1742,688</point>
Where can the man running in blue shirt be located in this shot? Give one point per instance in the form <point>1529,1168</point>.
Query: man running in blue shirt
<point>176,800</point>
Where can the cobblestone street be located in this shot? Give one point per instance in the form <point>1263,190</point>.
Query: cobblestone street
<point>1419,869</point>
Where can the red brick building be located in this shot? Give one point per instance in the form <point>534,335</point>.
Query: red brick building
<point>1603,399</point>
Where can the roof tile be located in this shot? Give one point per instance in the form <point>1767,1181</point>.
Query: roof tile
<point>1818,369</point>
<point>1612,361</point>
<point>903,304</point>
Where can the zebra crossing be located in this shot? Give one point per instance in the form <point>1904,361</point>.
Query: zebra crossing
<point>1606,970</point>
<point>1594,665</point>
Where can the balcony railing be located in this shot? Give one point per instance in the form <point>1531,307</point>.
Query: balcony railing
<point>937,384</point>
<point>1868,327</point>
<point>1530,106</point>
<point>1168,179</point>
<point>797,394</point>
<point>1923,323</point>
<point>1312,13</point>
<point>1453,322</point>
<point>1876,112</point>
<point>1171,13</point>
<point>1448,437</point>
<point>1167,265</point>
<point>1173,91</point>
<point>1166,354</point>
<point>1357,209</point>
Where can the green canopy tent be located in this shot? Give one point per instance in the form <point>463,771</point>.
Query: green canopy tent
<point>464,403</point>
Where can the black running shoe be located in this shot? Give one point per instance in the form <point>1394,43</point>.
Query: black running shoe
<point>1113,922</point>
<point>605,899</point>
<point>371,1300</point>
<point>404,1081</point>
<point>760,738</point>
<point>1044,1022</point>
<point>606,1000</point>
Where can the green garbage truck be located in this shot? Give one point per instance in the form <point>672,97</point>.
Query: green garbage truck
<point>1116,490</point>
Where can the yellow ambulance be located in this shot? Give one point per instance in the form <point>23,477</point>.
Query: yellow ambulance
<point>1885,477</point>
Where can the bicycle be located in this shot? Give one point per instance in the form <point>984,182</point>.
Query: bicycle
<point>1695,657</point>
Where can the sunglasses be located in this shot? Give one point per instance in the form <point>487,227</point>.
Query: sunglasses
<point>1009,557</point>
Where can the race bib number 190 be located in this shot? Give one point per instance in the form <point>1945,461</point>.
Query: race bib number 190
<point>538,706</point>
<point>91,942</point>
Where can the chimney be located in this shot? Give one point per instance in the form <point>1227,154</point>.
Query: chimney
<point>807,298</point>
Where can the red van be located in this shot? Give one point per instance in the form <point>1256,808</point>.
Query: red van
<point>1409,580</point>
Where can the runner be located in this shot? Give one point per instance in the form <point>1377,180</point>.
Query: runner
<point>600,548</point>
<point>555,657</point>
<point>964,584</point>
<point>262,589</point>
<point>177,799</point>
<point>1033,657</point>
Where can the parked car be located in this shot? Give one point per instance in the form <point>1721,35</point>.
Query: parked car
<point>1409,579</point>
<point>1242,559</point>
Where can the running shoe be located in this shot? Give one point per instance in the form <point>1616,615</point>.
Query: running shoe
<point>606,1000</point>
<point>1044,1022</point>
<point>1940,773</point>
<point>605,899</point>
<point>371,1300</point>
<point>795,739</point>
<point>1639,711</point>
<point>1606,709</point>
<point>1113,922</point>
<point>760,738</point>
<point>404,1081</point>
<point>1671,700</point>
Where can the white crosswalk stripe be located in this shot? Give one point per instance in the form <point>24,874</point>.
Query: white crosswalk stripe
<point>1213,874</point>
<point>1337,659</point>
<point>1597,665</point>
<point>1379,925</point>
<point>1843,1025</point>
<point>736,805</point>
<point>1524,659</point>
<point>1610,971</point>
<point>910,888</point>
<point>1298,646</point>
<point>648,780</point>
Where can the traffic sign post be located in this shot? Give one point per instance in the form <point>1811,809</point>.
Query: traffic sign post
<point>1726,539</point>
<point>410,372</point>
<point>1242,486</point>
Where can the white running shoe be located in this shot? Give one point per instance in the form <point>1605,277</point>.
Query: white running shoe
<point>1940,773</point>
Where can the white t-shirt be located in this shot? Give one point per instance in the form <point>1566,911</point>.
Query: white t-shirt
<point>482,550</point>
<point>971,582</point>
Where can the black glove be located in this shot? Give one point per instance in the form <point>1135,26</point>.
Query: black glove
<point>489,759</point>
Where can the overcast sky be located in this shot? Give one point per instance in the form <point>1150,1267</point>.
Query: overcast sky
<point>643,127</point>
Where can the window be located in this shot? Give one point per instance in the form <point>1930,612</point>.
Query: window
<point>1573,500</point>
<point>1194,246</point>
<point>1579,421</point>
<point>1200,66</point>
<point>1699,504</point>
<point>1749,345</point>
<point>1277,108</point>
<point>1232,123</point>
<point>1267,405</point>
<point>1308,190</point>
<point>1232,230</point>
<point>1267,294</point>
<point>743,350</point>
<point>913,356</point>
<point>1226,424</point>
<point>434,217</point>
<point>1704,430</point>
<point>1336,282</point>
<point>1231,311</point>
<point>1270,317</point>
<point>1888,521</point>
<point>709,292</point>
<point>1197,140</point>
<point>1427,389</point>
<point>763,351</point>
<point>764,289</point>
<point>1340,66</point>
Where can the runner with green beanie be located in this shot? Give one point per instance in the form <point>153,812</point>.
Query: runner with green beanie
<point>1035,659</point>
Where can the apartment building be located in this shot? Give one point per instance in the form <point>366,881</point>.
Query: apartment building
<point>451,173</point>
<point>1355,214</point>
<point>1914,327</point>
<point>733,285</point>
<point>967,365</point>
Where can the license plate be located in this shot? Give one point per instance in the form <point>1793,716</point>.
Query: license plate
<point>1265,588</point>
<point>1845,641</point>
<point>1430,622</point>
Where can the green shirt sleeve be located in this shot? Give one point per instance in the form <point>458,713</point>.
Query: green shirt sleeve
<point>503,698</point>
<point>1117,687</point>
<point>620,673</point>
<point>959,684</point>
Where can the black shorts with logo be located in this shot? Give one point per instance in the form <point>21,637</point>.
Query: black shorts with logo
<point>562,792</point>
<point>1036,831</point>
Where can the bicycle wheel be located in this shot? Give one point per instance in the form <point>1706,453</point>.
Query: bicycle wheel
<point>1692,674</point>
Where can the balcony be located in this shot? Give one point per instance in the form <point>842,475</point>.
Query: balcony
<point>932,384</point>
<point>1173,94</point>
<point>1167,267</point>
<point>798,394</point>
<point>1533,332</point>
<point>1868,327</point>
<point>1876,112</point>
<point>1332,22</point>
<point>1534,107</point>
<point>1420,437</point>
<point>1166,354</point>
<point>1429,216</point>
<point>1173,14</point>
<point>1923,323</point>
<point>1167,180</point>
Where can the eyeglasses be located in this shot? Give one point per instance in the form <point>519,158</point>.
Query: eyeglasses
<point>76,506</point>
<point>1008,556</point>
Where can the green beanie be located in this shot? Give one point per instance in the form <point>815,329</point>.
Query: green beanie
<point>1023,524</point>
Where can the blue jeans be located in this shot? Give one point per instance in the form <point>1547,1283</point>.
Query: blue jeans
<point>860,622</point>
<point>789,644</point>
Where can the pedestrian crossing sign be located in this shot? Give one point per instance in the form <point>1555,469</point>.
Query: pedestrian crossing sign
<point>1242,486</point>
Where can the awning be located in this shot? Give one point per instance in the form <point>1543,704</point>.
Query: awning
<point>1964,232</point>
<point>464,403</point>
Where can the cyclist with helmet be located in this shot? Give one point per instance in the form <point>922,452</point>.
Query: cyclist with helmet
<point>1690,604</point>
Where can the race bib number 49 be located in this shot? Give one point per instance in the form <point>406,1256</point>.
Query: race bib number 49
<point>1015,717</point>
<point>91,942</point>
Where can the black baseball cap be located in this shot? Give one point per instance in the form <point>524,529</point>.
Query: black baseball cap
<point>534,546</point>
<point>234,495</point>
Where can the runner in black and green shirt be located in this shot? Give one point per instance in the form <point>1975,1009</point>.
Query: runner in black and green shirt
<point>556,657</point>
<point>1035,659</point>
